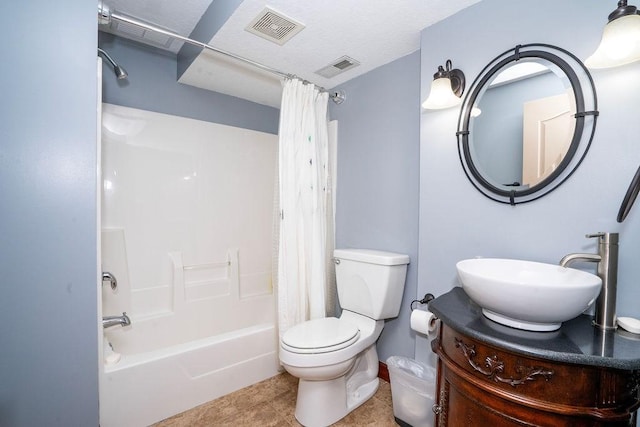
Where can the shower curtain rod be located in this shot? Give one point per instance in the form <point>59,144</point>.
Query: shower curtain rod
<point>105,16</point>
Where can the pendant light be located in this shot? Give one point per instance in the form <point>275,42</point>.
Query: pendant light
<point>446,88</point>
<point>620,42</point>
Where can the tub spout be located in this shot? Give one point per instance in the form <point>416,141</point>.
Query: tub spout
<point>110,321</point>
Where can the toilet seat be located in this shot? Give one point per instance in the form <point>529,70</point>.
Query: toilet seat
<point>320,336</point>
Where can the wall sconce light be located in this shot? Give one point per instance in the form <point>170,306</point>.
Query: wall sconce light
<point>447,88</point>
<point>620,42</point>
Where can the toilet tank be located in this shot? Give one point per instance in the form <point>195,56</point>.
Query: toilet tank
<point>370,282</point>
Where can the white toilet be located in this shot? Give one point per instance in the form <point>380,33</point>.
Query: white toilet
<point>336,358</point>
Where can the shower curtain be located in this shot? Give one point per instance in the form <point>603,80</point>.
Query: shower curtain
<point>305,285</point>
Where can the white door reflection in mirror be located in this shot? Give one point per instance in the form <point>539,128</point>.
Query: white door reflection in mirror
<point>548,124</point>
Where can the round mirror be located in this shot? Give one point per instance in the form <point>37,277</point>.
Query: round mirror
<point>526,123</point>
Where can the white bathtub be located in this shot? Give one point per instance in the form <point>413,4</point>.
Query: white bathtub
<point>144,388</point>
<point>186,219</point>
<point>188,343</point>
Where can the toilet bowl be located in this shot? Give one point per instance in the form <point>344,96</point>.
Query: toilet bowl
<point>336,359</point>
<point>337,365</point>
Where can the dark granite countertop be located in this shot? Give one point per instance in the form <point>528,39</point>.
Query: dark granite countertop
<point>577,341</point>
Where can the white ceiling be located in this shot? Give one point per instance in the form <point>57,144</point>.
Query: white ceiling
<point>373,32</point>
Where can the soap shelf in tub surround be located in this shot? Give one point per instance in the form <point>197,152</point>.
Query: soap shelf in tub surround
<point>207,266</point>
<point>202,281</point>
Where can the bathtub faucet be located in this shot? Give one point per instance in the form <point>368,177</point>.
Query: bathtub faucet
<point>607,260</point>
<point>110,321</point>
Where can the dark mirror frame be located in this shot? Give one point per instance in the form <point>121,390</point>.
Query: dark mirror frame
<point>586,116</point>
<point>629,197</point>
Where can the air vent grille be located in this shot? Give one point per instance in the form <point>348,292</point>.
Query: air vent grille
<point>274,26</point>
<point>134,32</point>
<point>338,66</point>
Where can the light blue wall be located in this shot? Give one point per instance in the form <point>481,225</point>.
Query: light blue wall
<point>152,85</point>
<point>48,313</point>
<point>378,169</point>
<point>457,222</point>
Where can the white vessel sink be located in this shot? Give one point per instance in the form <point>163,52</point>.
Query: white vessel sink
<point>527,295</point>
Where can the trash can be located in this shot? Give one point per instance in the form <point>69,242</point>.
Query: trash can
<point>413,387</point>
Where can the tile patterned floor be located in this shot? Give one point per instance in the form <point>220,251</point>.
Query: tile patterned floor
<point>272,403</point>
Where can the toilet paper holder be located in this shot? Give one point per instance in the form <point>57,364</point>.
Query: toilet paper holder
<point>426,300</point>
<point>424,321</point>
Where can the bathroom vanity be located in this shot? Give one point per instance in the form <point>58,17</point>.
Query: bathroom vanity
<point>494,375</point>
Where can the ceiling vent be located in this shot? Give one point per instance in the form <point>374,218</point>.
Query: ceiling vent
<point>338,66</point>
<point>134,32</point>
<point>274,26</point>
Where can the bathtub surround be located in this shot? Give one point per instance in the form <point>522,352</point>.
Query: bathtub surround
<point>250,348</point>
<point>187,229</point>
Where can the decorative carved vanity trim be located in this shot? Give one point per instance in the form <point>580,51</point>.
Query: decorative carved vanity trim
<point>482,384</point>
<point>495,367</point>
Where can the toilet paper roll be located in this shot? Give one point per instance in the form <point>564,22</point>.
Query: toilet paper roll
<point>424,322</point>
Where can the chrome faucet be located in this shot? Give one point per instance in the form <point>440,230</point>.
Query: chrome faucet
<point>607,259</point>
<point>110,321</point>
